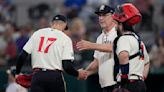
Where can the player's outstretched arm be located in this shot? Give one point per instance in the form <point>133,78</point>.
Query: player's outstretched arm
<point>68,67</point>
<point>92,67</point>
<point>87,45</point>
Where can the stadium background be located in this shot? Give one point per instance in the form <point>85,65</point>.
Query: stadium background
<point>20,18</point>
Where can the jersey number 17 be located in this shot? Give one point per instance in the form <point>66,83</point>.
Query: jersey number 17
<point>49,42</point>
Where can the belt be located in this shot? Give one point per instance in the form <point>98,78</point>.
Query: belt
<point>132,81</point>
<point>135,77</point>
<point>44,69</point>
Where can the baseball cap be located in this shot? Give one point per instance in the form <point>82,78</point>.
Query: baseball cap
<point>103,9</point>
<point>62,18</point>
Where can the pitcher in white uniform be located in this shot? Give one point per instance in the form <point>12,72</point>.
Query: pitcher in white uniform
<point>52,53</point>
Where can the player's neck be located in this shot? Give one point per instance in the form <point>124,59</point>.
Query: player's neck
<point>109,28</point>
<point>68,33</point>
<point>56,27</point>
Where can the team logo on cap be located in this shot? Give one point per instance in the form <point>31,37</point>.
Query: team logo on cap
<point>57,18</point>
<point>102,7</point>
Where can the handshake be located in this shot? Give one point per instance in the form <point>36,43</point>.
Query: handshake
<point>83,74</point>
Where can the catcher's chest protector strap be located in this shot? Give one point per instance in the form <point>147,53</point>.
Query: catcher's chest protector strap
<point>139,53</point>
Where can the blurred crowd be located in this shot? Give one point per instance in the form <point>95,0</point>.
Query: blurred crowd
<point>83,24</point>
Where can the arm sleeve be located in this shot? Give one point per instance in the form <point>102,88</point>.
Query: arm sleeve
<point>123,44</point>
<point>68,53</point>
<point>20,61</point>
<point>68,67</point>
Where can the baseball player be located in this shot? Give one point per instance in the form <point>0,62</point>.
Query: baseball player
<point>51,51</point>
<point>130,54</point>
<point>103,60</point>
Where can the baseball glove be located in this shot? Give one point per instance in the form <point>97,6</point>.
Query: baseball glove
<point>24,80</point>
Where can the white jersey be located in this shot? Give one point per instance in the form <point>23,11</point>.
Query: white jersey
<point>105,60</point>
<point>14,87</point>
<point>130,44</point>
<point>48,47</point>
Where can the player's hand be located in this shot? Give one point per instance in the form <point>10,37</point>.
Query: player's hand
<point>83,74</point>
<point>84,45</point>
<point>16,76</point>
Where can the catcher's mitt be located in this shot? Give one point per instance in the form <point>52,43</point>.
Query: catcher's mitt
<point>24,80</point>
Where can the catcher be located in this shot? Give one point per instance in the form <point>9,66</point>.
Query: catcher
<point>130,55</point>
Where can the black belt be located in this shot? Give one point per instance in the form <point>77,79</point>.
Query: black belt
<point>44,69</point>
<point>139,77</point>
<point>133,81</point>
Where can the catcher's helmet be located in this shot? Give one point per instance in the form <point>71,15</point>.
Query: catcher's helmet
<point>127,13</point>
